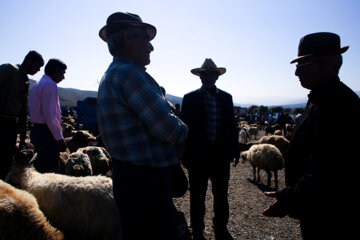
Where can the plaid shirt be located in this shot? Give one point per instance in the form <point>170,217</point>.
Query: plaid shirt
<point>134,117</point>
<point>213,117</point>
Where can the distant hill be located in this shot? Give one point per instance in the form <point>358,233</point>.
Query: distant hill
<point>70,96</point>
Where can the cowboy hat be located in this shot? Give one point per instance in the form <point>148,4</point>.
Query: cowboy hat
<point>120,20</point>
<point>319,44</point>
<point>208,65</point>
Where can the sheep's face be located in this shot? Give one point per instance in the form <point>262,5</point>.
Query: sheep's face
<point>24,156</point>
<point>21,160</point>
<point>243,156</point>
<point>78,171</point>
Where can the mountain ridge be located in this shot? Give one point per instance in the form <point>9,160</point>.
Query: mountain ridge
<point>70,96</point>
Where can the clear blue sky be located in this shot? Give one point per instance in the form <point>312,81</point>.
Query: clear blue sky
<point>255,40</point>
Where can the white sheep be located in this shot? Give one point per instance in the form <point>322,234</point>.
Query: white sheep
<point>244,135</point>
<point>21,218</point>
<point>81,207</point>
<point>253,131</point>
<point>266,157</point>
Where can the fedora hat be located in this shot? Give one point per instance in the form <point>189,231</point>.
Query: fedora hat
<point>208,65</point>
<point>319,44</point>
<point>120,20</point>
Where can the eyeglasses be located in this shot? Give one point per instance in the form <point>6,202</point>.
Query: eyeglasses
<point>298,66</point>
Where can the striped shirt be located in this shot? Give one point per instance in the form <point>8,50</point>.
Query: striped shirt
<point>134,117</point>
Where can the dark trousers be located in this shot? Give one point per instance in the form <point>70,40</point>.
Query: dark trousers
<point>211,165</point>
<point>48,157</point>
<point>143,196</point>
<point>7,145</point>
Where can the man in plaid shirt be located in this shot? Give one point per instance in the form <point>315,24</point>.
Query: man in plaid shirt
<point>138,130</point>
<point>211,146</point>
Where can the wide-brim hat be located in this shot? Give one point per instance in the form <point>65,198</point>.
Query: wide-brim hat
<point>319,44</point>
<point>120,20</point>
<point>208,65</point>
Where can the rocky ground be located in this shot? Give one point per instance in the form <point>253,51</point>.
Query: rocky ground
<point>247,201</point>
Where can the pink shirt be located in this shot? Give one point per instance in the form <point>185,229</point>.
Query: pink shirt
<point>44,105</point>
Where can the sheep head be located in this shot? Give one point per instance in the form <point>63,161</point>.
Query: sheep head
<point>244,156</point>
<point>22,161</point>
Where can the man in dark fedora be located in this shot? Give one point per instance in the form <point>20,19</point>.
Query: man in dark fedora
<point>211,145</point>
<point>321,182</point>
<point>138,130</point>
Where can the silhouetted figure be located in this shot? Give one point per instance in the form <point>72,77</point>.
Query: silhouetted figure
<point>138,130</point>
<point>322,163</point>
<point>211,146</point>
<point>14,86</point>
<point>45,115</point>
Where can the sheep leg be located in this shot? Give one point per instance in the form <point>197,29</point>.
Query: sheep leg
<point>258,174</point>
<point>276,180</point>
<point>269,177</point>
<point>254,173</point>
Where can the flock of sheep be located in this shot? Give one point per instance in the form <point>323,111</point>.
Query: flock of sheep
<point>79,202</point>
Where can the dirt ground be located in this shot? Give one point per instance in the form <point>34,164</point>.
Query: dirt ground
<point>246,202</point>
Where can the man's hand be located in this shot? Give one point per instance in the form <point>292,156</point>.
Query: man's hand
<point>61,145</point>
<point>275,209</point>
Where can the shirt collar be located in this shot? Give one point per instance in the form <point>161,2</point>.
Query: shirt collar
<point>204,91</point>
<point>127,61</point>
<point>47,78</point>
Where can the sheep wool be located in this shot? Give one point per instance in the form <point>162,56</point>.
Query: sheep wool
<point>278,141</point>
<point>266,157</point>
<point>81,207</point>
<point>21,218</point>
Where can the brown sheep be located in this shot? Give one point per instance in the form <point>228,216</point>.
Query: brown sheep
<point>79,139</point>
<point>100,159</point>
<point>78,165</point>
<point>21,218</point>
<point>278,141</point>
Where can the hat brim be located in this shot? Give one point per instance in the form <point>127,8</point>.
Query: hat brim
<point>198,71</point>
<point>340,51</point>
<point>150,29</point>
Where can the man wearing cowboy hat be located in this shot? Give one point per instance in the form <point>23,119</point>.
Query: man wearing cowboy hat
<point>138,130</point>
<point>211,145</point>
<point>321,187</point>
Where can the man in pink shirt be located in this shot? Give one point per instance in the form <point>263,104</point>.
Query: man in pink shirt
<point>44,110</point>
